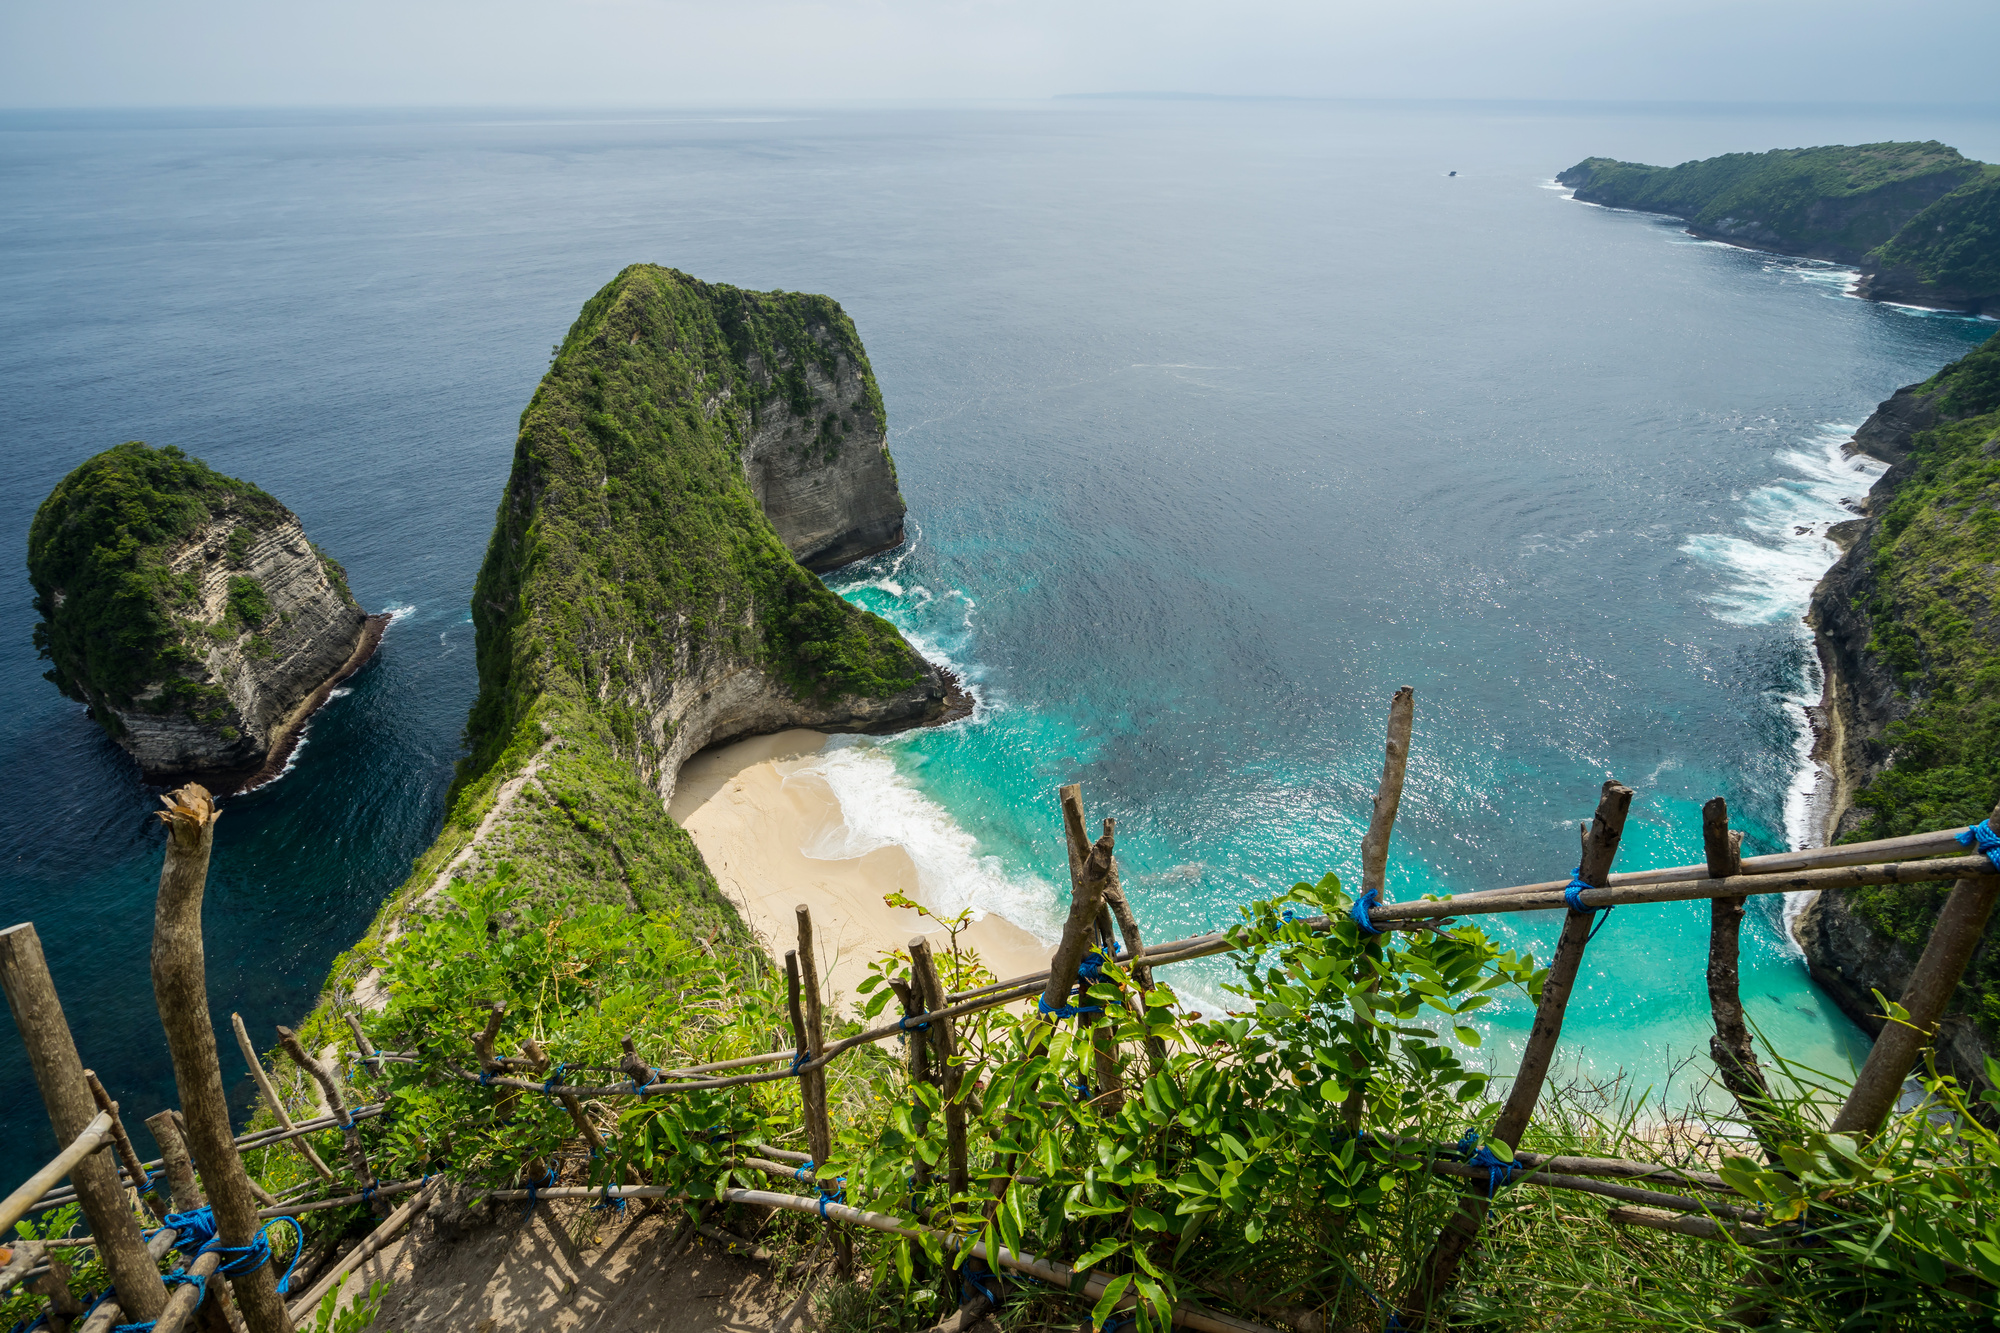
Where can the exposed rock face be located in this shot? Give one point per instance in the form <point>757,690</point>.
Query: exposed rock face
<point>824,478</point>
<point>1848,955</point>
<point>271,674</point>
<point>190,612</point>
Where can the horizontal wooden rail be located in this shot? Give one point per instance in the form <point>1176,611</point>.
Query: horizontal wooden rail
<point>1625,1193</point>
<point>263,1138</point>
<point>22,1201</point>
<point>1190,1316</point>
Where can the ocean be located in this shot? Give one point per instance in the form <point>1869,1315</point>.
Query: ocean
<point>1217,421</point>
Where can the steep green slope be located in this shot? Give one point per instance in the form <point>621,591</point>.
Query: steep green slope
<point>636,604</point>
<point>1951,249</point>
<point>1910,621</point>
<point>1921,219</point>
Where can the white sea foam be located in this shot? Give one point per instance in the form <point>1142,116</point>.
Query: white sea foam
<point>1768,577</point>
<point>880,808</point>
<point>291,760</point>
<point>338,693</point>
<point>397,613</point>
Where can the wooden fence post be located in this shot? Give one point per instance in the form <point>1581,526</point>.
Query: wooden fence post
<point>1104,1051</point>
<point>812,1084</point>
<point>180,988</point>
<point>1600,845</point>
<point>1961,925</point>
<point>1094,876</point>
<point>31,995</point>
<point>1730,1048</point>
<point>951,1073</point>
<point>135,1170</point>
<point>1375,843</point>
<point>323,1074</point>
<point>911,997</point>
<point>273,1100</point>
<point>364,1048</point>
<point>218,1314</point>
<point>539,1061</point>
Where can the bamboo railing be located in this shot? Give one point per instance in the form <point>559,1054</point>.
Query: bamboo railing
<point>110,1185</point>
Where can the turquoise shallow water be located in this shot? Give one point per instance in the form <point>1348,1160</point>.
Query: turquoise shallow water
<point>1217,423</point>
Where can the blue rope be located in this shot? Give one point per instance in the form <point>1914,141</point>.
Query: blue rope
<point>180,1277</point>
<point>196,1228</point>
<point>799,1059</point>
<point>906,1025</point>
<point>1573,899</point>
<point>609,1203</point>
<point>800,1174</point>
<point>549,1083</point>
<point>836,1195</point>
<point>639,1087</point>
<point>534,1187</point>
<point>1359,911</point>
<point>1498,1172</point>
<point>1982,836</point>
<point>978,1284</point>
<point>1088,973</point>
<point>249,1258</point>
<point>485,1078</point>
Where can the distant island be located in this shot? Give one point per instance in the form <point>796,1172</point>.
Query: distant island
<point>190,613</point>
<point>1921,220</point>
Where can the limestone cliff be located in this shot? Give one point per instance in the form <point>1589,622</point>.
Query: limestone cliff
<point>641,599</point>
<point>822,474</point>
<point>1908,628</point>
<point>190,612</point>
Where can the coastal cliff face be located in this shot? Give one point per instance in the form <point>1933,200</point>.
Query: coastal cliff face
<point>1920,220</point>
<point>641,599</point>
<point>1908,628</point>
<point>816,454</point>
<point>190,612</point>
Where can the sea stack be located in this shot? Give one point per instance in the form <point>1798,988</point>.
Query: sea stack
<point>190,613</point>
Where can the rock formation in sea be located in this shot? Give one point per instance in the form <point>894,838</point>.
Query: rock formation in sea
<point>1920,220</point>
<point>190,612</point>
<point>1908,629</point>
<point>646,594</point>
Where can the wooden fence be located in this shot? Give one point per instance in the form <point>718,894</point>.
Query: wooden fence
<point>199,1153</point>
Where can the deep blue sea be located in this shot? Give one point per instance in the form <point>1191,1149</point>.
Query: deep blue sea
<point>1217,422</point>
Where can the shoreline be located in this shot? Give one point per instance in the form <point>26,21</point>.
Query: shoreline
<point>753,805</point>
<point>292,729</point>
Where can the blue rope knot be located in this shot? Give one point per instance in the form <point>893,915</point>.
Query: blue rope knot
<point>1361,908</point>
<point>799,1060</point>
<point>800,1174</point>
<point>1067,1010</point>
<point>196,1228</point>
<point>609,1202</point>
<point>249,1258</point>
<point>1498,1172</point>
<point>978,1284</point>
<point>485,1078</point>
<point>638,1087</point>
<point>1982,836</point>
<point>835,1195</point>
<point>1573,899</point>
<point>906,1025</point>
<point>179,1277</point>
<point>1091,970</point>
<point>555,1077</point>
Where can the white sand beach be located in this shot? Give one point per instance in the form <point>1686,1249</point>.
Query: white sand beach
<point>750,809</point>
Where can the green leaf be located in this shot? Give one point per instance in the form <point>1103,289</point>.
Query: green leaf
<point>1469,1036</point>
<point>1108,1302</point>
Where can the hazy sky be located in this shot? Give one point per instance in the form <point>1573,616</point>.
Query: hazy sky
<point>668,52</point>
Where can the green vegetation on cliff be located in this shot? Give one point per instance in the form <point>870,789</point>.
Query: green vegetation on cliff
<point>631,560</point>
<point>111,607</point>
<point>1921,217</point>
<point>1935,616</point>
